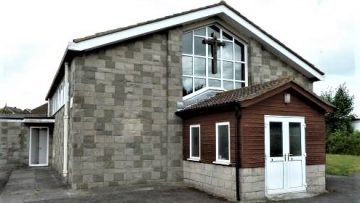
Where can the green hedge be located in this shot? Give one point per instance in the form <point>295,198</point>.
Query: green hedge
<point>341,142</point>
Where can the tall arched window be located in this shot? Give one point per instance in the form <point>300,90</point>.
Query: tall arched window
<point>197,69</point>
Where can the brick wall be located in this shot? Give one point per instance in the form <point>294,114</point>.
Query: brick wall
<point>123,127</point>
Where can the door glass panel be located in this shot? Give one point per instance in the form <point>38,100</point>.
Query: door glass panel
<point>295,138</point>
<point>276,143</point>
<point>195,141</point>
<point>223,142</point>
<point>35,134</point>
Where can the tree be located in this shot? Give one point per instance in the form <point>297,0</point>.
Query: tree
<point>342,116</point>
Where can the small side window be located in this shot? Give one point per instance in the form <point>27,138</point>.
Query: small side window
<point>195,142</point>
<point>223,143</point>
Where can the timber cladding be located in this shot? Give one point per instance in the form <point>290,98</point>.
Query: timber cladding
<point>207,124</point>
<point>252,130</point>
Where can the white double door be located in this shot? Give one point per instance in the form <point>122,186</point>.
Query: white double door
<point>285,154</point>
<point>39,146</point>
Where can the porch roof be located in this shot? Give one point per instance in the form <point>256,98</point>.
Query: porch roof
<point>253,94</point>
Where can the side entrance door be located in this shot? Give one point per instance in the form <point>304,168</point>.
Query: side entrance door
<point>285,154</point>
<point>39,146</point>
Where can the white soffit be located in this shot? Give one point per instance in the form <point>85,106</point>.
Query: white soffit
<point>140,30</point>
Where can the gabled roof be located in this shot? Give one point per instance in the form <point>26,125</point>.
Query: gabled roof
<point>253,94</point>
<point>221,10</point>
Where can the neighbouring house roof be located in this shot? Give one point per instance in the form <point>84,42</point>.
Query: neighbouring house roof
<point>36,115</point>
<point>221,10</point>
<point>253,94</point>
<point>42,109</point>
<point>14,110</point>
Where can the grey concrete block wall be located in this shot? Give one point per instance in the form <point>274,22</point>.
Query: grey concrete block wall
<point>57,142</point>
<point>215,179</point>
<point>14,141</point>
<point>123,127</point>
<point>265,66</point>
<point>315,178</point>
<point>252,183</point>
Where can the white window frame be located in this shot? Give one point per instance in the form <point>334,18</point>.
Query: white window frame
<point>222,161</point>
<point>220,68</point>
<point>193,158</point>
<point>58,98</point>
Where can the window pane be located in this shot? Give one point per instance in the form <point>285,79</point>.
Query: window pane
<point>218,53</point>
<point>187,65</point>
<point>295,138</point>
<point>187,43</point>
<point>276,143</point>
<point>187,85</point>
<point>228,70</point>
<point>214,29</point>
<point>227,36</point>
<point>223,142</point>
<point>239,85</point>
<point>195,152</point>
<point>239,51</point>
<point>199,83</point>
<point>199,67</point>
<point>228,85</point>
<point>239,71</point>
<point>200,31</point>
<point>218,74</point>
<point>214,83</point>
<point>199,46</point>
<point>228,51</point>
<point>242,71</point>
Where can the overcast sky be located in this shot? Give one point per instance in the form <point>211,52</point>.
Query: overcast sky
<point>34,35</point>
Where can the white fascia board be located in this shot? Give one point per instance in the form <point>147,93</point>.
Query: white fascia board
<point>143,29</point>
<point>173,21</point>
<point>255,31</point>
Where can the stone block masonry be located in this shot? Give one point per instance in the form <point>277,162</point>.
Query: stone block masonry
<point>123,126</point>
<point>315,178</point>
<point>214,179</point>
<point>14,144</point>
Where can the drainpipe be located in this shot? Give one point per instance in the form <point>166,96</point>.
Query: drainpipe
<point>237,150</point>
<point>66,120</point>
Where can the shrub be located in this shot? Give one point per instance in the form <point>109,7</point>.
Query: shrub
<point>342,142</point>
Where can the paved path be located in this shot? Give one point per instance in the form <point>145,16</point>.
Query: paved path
<point>341,189</point>
<point>41,185</point>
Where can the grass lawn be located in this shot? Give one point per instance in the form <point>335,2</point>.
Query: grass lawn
<point>343,165</point>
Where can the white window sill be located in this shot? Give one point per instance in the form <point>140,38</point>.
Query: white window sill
<point>194,159</point>
<point>225,163</point>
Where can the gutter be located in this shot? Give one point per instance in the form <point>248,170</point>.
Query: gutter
<point>237,150</point>
<point>66,122</point>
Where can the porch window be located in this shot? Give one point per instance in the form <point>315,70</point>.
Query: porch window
<point>197,60</point>
<point>223,143</point>
<point>195,142</point>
